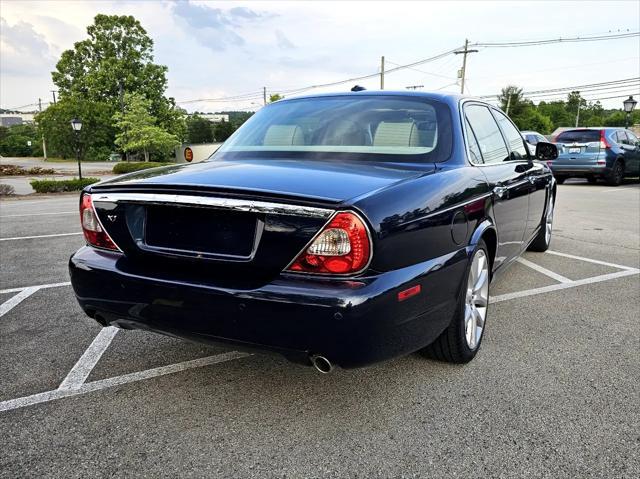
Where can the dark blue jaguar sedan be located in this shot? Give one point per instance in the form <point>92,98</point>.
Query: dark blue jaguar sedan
<point>340,229</point>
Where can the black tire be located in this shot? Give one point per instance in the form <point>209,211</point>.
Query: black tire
<point>560,179</point>
<point>451,346</point>
<point>542,240</point>
<point>592,180</point>
<point>617,174</point>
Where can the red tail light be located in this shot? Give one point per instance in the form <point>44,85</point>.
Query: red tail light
<point>91,227</point>
<point>604,143</point>
<point>342,247</point>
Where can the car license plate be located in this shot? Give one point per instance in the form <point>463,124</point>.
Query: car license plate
<point>574,150</point>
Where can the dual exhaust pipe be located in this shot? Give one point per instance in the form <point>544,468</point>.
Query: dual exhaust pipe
<point>322,364</point>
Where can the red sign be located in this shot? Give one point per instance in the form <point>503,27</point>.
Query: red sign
<point>188,154</point>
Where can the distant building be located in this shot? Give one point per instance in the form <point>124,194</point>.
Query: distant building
<point>10,119</point>
<point>214,117</point>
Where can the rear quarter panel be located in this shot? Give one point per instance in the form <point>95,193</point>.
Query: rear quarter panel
<point>414,221</point>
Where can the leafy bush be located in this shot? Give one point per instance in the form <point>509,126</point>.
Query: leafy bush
<point>13,170</point>
<point>58,186</point>
<point>128,167</point>
<point>6,190</point>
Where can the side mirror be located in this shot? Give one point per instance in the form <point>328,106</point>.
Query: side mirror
<point>546,151</point>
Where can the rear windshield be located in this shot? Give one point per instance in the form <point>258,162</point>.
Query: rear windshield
<point>365,127</point>
<point>578,136</point>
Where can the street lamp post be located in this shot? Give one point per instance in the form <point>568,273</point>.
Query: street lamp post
<point>76,124</point>
<point>629,104</point>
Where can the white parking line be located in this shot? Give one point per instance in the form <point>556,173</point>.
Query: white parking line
<point>545,271</point>
<point>594,261</point>
<point>38,286</point>
<point>74,385</point>
<point>17,299</point>
<point>81,370</point>
<point>119,380</point>
<point>40,214</point>
<point>39,236</point>
<point>557,287</point>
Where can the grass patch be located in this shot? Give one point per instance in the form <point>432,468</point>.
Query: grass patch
<point>13,170</point>
<point>128,167</point>
<point>59,186</point>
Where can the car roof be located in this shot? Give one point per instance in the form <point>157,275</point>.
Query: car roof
<point>449,98</point>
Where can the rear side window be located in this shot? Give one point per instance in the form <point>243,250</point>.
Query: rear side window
<point>514,139</point>
<point>578,136</point>
<point>621,137</point>
<point>487,134</point>
<point>474,148</point>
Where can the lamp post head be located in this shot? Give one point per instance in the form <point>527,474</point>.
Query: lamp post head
<point>76,124</point>
<point>629,104</point>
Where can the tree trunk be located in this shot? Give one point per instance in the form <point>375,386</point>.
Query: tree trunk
<point>146,155</point>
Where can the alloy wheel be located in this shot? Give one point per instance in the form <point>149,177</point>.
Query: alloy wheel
<point>549,222</point>
<point>477,299</point>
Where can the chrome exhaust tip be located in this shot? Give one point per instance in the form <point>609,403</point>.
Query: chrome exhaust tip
<point>321,363</point>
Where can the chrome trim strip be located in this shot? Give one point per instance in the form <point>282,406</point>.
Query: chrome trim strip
<point>214,202</point>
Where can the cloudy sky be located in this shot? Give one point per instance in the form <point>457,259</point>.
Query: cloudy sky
<point>220,49</point>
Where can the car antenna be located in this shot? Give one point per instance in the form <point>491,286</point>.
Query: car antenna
<point>358,88</point>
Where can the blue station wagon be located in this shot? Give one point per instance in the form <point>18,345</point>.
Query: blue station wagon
<point>597,153</point>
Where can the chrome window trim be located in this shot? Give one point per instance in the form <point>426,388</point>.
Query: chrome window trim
<point>266,207</point>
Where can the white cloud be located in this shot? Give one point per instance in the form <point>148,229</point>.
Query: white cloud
<point>218,49</point>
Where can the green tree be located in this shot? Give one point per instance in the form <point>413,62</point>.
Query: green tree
<point>138,131</point>
<point>14,141</point>
<point>117,58</point>
<point>95,138</point>
<point>199,130</point>
<point>532,119</point>
<point>223,130</point>
<point>275,97</point>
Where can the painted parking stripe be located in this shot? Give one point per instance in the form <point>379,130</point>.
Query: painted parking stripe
<point>39,286</point>
<point>40,236</point>
<point>557,287</point>
<point>594,261</point>
<point>17,299</point>
<point>119,380</point>
<point>40,214</point>
<point>81,370</point>
<point>545,271</point>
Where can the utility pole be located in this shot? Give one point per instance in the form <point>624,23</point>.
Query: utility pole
<point>464,63</point>
<point>382,73</point>
<point>508,102</point>
<point>44,142</point>
<point>578,114</point>
<point>54,96</point>
<point>264,94</point>
<point>414,87</point>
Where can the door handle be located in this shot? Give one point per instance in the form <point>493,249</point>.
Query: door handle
<point>500,191</point>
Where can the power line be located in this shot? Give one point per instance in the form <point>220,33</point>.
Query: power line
<point>597,38</point>
<point>575,87</point>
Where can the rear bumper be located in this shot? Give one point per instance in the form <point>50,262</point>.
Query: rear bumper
<point>352,323</point>
<point>579,169</point>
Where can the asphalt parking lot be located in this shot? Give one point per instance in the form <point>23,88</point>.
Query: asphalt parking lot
<point>554,392</point>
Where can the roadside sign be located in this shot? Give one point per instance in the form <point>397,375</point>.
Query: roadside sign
<point>188,154</point>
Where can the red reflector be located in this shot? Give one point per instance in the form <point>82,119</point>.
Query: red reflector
<point>407,293</point>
